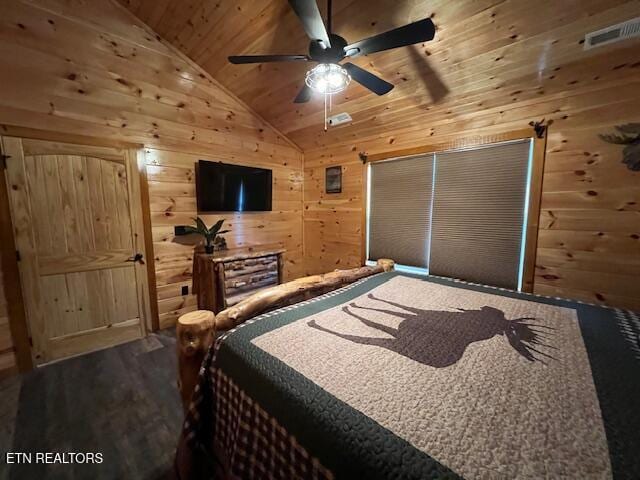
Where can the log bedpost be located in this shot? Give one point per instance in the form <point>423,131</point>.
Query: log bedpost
<point>195,331</point>
<point>386,263</point>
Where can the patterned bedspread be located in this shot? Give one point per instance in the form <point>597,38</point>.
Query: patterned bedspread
<point>398,376</point>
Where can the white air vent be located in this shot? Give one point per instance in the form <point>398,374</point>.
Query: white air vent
<point>612,34</point>
<point>339,119</point>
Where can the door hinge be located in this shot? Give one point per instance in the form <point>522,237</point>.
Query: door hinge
<point>3,161</point>
<point>18,257</point>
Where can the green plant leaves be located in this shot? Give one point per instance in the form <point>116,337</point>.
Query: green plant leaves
<point>201,225</point>
<point>208,233</point>
<point>190,229</point>
<point>216,227</point>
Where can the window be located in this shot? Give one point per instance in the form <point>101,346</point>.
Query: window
<point>459,214</point>
<point>399,207</point>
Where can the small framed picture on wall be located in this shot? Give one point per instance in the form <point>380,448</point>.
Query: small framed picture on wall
<point>333,180</point>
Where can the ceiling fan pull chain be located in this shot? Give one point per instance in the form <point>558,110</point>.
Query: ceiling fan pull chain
<point>325,111</point>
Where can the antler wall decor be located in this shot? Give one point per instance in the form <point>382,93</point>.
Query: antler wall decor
<point>629,136</point>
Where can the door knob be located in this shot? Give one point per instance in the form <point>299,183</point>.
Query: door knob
<point>138,257</point>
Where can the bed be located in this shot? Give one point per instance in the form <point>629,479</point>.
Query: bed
<point>403,376</point>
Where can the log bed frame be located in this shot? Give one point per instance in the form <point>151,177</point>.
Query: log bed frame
<point>196,330</point>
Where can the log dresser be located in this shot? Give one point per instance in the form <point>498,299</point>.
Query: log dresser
<point>224,278</point>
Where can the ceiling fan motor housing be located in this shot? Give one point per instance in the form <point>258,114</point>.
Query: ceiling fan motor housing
<point>333,54</point>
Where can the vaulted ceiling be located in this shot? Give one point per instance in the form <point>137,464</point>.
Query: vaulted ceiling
<point>480,46</point>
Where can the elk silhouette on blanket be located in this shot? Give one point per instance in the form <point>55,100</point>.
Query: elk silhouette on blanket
<point>439,338</point>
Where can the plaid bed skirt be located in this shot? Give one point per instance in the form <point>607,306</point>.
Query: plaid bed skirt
<point>227,435</point>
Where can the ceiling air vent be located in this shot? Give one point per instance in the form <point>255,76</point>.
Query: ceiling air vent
<point>339,119</point>
<point>612,34</point>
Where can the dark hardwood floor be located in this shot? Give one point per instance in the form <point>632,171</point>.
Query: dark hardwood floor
<point>122,402</point>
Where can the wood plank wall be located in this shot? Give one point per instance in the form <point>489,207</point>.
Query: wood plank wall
<point>92,68</point>
<point>589,238</point>
<point>7,356</point>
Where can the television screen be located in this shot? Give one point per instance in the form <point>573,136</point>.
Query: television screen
<point>221,187</point>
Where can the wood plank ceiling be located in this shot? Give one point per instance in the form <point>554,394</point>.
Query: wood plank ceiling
<point>480,46</point>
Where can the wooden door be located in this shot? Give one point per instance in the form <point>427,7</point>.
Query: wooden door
<point>77,223</point>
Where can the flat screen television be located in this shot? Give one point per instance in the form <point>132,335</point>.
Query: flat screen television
<point>221,187</point>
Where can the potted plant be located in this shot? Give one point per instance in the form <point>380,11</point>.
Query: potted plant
<point>210,234</point>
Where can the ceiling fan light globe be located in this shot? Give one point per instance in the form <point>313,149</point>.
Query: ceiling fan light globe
<point>327,78</point>
<point>335,80</point>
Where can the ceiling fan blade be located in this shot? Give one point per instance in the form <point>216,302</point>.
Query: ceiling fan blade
<point>416,32</point>
<point>368,79</point>
<point>307,11</point>
<point>304,95</point>
<point>267,58</point>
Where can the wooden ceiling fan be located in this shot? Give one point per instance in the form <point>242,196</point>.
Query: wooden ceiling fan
<point>328,49</point>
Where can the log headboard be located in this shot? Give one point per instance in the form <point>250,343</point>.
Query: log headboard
<point>196,330</point>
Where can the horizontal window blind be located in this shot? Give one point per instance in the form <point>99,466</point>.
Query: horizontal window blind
<point>399,208</point>
<point>478,213</point>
